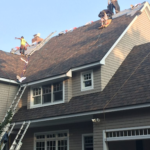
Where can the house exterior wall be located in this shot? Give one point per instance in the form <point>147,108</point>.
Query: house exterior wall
<point>72,87</point>
<point>138,33</point>
<point>117,120</point>
<point>76,82</point>
<point>7,94</point>
<point>75,134</point>
<point>68,89</point>
<point>25,99</point>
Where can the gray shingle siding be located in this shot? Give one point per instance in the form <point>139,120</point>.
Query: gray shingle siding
<point>75,134</point>
<point>7,94</point>
<point>125,119</point>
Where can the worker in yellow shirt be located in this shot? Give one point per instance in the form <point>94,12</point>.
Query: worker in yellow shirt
<point>23,45</point>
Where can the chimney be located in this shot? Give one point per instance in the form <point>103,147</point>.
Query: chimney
<point>37,38</point>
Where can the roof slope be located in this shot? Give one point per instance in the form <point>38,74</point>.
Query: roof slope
<point>135,91</point>
<point>10,65</point>
<point>83,46</point>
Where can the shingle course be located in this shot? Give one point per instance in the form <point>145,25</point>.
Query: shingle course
<point>10,65</point>
<point>135,91</point>
<point>83,46</point>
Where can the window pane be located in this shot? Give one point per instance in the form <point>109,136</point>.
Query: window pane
<point>62,145</point>
<point>47,89</point>
<point>87,83</point>
<point>51,136</point>
<point>58,96</point>
<point>47,98</point>
<point>58,87</point>
<point>62,134</point>
<point>40,145</point>
<point>40,137</point>
<point>88,143</point>
<point>87,76</point>
<point>36,91</point>
<point>37,100</point>
<point>51,145</point>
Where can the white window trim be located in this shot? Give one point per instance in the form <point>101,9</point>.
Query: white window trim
<point>50,132</point>
<point>48,104</point>
<point>84,135</point>
<point>81,82</point>
<point>137,137</point>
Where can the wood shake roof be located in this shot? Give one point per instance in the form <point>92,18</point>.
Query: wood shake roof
<point>135,91</point>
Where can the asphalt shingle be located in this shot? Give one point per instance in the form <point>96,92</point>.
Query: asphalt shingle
<point>135,91</point>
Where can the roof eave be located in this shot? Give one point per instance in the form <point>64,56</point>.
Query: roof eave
<point>8,80</point>
<point>118,109</point>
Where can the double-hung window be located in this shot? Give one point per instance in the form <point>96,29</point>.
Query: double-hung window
<point>87,80</point>
<point>37,96</point>
<point>58,92</point>
<point>52,141</point>
<point>87,142</point>
<point>47,94</point>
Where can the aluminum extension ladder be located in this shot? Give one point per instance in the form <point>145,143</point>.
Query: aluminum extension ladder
<point>12,108</point>
<point>9,128</point>
<point>41,44</point>
<point>17,143</point>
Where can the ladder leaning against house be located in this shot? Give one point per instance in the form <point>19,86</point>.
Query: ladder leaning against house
<point>9,127</point>
<point>17,143</point>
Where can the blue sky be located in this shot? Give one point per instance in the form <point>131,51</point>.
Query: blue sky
<point>26,18</point>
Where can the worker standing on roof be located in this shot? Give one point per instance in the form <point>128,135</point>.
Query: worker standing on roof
<point>23,45</point>
<point>115,5</point>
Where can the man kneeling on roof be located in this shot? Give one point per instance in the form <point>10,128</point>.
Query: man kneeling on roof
<point>115,5</point>
<point>105,15</point>
<point>23,45</point>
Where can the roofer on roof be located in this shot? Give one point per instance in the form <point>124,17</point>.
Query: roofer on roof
<point>115,5</point>
<point>105,15</point>
<point>23,45</point>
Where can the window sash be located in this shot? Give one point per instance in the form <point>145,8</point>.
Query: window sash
<point>42,94</point>
<point>83,81</point>
<point>87,144</point>
<point>59,141</point>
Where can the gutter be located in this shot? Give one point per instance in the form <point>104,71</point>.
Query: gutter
<point>8,80</point>
<point>68,74</point>
<point>89,113</point>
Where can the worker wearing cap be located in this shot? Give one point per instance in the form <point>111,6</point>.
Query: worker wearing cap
<point>115,5</point>
<point>23,45</point>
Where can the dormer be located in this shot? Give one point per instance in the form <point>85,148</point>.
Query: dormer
<point>86,65</point>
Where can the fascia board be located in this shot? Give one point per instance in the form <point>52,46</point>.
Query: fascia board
<point>102,62</point>
<point>85,66</point>
<point>90,113</point>
<point>145,5</point>
<point>8,80</point>
<point>45,80</point>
